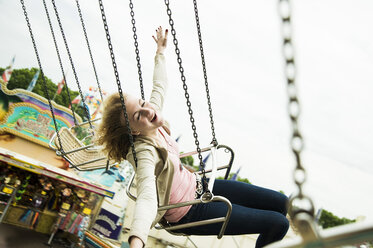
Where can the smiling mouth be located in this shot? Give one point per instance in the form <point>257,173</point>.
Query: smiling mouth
<point>154,118</point>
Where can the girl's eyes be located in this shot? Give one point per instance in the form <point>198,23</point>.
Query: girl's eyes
<point>138,115</point>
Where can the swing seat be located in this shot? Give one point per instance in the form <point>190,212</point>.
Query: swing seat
<point>80,156</point>
<point>205,198</point>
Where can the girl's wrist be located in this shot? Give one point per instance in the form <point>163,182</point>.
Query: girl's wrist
<point>159,51</point>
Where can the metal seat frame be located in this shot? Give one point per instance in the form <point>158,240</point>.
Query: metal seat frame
<point>205,198</point>
<point>349,234</point>
<point>80,156</point>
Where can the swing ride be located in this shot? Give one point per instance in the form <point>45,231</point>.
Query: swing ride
<point>88,157</point>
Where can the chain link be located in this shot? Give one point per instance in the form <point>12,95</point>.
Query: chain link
<point>214,141</point>
<point>41,71</point>
<point>296,141</point>
<point>59,58</point>
<point>106,27</point>
<point>89,48</point>
<point>185,87</point>
<point>72,64</point>
<point>132,13</point>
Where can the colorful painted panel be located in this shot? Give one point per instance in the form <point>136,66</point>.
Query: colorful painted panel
<point>29,122</point>
<point>26,114</point>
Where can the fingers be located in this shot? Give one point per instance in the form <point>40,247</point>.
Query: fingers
<point>165,34</point>
<point>159,34</point>
<point>165,38</point>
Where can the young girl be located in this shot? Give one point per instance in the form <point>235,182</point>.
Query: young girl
<point>162,180</point>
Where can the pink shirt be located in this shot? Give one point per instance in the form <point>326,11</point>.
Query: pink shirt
<point>183,186</point>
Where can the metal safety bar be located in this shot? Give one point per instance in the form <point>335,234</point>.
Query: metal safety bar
<point>227,166</point>
<point>225,219</point>
<point>85,123</point>
<point>195,152</point>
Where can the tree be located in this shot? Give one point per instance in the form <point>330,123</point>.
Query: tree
<point>21,78</point>
<point>328,219</point>
<point>240,179</point>
<point>189,160</point>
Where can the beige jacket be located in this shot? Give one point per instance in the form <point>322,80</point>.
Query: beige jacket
<point>154,172</point>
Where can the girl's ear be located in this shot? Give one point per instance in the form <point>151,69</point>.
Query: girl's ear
<point>135,132</point>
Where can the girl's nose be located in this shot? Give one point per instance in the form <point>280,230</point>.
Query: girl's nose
<point>146,112</point>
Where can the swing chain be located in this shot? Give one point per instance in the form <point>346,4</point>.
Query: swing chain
<point>132,13</point>
<point>299,174</point>
<point>116,73</point>
<point>185,87</point>
<point>59,58</point>
<point>41,71</point>
<point>72,64</point>
<point>214,141</point>
<point>89,48</point>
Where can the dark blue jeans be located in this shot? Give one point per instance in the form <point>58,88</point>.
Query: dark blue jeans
<point>255,210</point>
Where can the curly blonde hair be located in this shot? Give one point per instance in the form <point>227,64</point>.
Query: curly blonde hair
<point>113,131</point>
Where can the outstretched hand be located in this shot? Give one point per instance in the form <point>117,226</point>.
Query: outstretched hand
<point>161,39</point>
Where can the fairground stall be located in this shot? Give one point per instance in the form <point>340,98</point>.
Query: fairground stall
<point>38,191</point>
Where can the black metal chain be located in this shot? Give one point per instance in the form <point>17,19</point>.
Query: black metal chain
<point>41,71</point>
<point>72,63</point>
<point>59,58</point>
<point>214,141</point>
<point>132,13</point>
<point>108,38</point>
<point>89,48</point>
<point>185,87</point>
<point>293,104</point>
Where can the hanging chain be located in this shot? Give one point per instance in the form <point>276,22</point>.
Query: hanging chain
<point>108,38</point>
<point>183,79</point>
<point>136,49</point>
<point>59,58</point>
<point>72,64</point>
<point>89,48</point>
<point>214,141</point>
<point>42,73</point>
<point>296,143</point>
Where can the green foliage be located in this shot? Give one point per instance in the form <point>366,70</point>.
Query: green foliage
<point>240,179</point>
<point>328,219</point>
<point>21,78</point>
<point>189,160</point>
<point>83,133</point>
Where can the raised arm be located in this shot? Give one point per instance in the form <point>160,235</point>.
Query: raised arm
<point>159,75</point>
<point>146,203</point>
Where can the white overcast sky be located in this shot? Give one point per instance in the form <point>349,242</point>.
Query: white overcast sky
<point>242,43</point>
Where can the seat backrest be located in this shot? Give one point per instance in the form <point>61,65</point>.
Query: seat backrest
<point>78,154</point>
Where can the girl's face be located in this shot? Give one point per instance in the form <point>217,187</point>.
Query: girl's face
<point>143,117</point>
